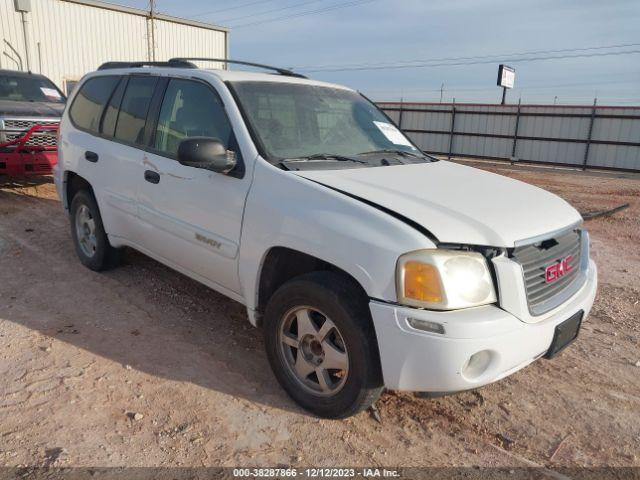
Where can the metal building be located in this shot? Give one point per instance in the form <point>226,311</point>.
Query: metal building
<point>64,39</point>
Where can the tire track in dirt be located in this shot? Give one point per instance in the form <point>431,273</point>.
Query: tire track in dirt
<point>197,371</point>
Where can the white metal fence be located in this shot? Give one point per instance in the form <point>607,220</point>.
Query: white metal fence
<point>583,136</point>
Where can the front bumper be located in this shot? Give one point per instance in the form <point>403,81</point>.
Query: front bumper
<point>429,362</point>
<point>16,163</point>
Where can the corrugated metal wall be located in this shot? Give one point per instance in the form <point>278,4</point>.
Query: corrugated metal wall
<point>603,137</point>
<point>175,40</point>
<point>74,38</point>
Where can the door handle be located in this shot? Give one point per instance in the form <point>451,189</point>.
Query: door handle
<point>151,176</point>
<point>91,156</point>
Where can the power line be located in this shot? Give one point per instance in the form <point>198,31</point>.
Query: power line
<point>271,11</point>
<point>312,12</point>
<point>523,88</point>
<point>318,68</point>
<point>477,62</point>
<point>211,12</point>
<point>302,14</point>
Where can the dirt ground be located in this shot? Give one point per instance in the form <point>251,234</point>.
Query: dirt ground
<point>141,366</point>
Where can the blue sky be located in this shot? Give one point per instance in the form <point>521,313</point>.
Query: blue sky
<point>383,32</point>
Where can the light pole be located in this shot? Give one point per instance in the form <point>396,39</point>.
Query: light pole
<point>24,7</point>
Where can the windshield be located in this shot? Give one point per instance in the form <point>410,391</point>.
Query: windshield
<point>301,121</point>
<point>22,88</point>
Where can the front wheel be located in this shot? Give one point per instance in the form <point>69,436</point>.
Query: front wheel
<point>321,345</point>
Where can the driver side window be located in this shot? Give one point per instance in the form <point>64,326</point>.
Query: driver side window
<point>191,109</point>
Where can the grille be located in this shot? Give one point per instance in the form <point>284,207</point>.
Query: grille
<point>36,140</point>
<point>20,124</point>
<point>535,258</point>
<point>15,128</point>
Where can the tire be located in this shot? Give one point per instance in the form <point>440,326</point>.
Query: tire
<point>89,238</point>
<point>348,340</point>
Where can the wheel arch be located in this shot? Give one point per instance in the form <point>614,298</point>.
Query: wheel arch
<point>281,264</point>
<point>73,183</point>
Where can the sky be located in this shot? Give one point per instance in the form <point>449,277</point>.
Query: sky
<point>453,45</point>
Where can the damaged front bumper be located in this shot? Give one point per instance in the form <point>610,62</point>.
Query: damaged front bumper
<point>479,345</point>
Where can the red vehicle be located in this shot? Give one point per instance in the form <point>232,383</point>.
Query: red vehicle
<point>30,109</point>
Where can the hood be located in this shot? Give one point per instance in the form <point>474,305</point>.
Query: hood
<point>10,108</point>
<point>456,203</point>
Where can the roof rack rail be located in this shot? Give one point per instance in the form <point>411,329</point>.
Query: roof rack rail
<point>174,63</point>
<point>281,71</point>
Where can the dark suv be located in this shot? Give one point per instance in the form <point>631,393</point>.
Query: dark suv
<point>26,100</point>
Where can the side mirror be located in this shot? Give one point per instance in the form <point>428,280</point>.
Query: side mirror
<point>206,152</point>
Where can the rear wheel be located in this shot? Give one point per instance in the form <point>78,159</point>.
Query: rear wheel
<point>90,240</point>
<point>321,345</point>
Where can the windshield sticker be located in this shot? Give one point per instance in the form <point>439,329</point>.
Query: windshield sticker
<point>393,134</point>
<point>50,92</point>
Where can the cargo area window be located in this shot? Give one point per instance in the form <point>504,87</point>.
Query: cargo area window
<point>88,104</point>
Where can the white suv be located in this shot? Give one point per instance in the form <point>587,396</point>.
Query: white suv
<point>367,263</point>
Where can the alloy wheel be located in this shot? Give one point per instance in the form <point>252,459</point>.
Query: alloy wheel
<point>314,350</point>
<point>86,231</point>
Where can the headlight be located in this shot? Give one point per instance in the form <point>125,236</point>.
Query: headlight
<point>444,279</point>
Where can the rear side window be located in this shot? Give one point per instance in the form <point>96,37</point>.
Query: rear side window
<point>111,113</point>
<point>87,107</point>
<point>134,108</point>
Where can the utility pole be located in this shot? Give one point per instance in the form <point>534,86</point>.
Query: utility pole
<point>152,9</point>
<point>441,91</point>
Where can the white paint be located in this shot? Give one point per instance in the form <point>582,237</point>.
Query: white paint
<point>433,363</point>
<point>242,219</point>
<point>458,204</point>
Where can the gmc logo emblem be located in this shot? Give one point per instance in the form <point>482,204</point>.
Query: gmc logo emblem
<point>556,270</point>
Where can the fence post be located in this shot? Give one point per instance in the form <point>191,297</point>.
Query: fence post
<point>453,123</point>
<point>515,134</point>
<point>588,146</point>
<point>400,114</point>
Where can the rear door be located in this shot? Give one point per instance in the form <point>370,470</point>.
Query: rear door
<point>83,145</point>
<point>125,122</point>
<point>192,217</point>
<point>109,114</point>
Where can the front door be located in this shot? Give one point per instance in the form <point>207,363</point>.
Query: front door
<point>192,216</point>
